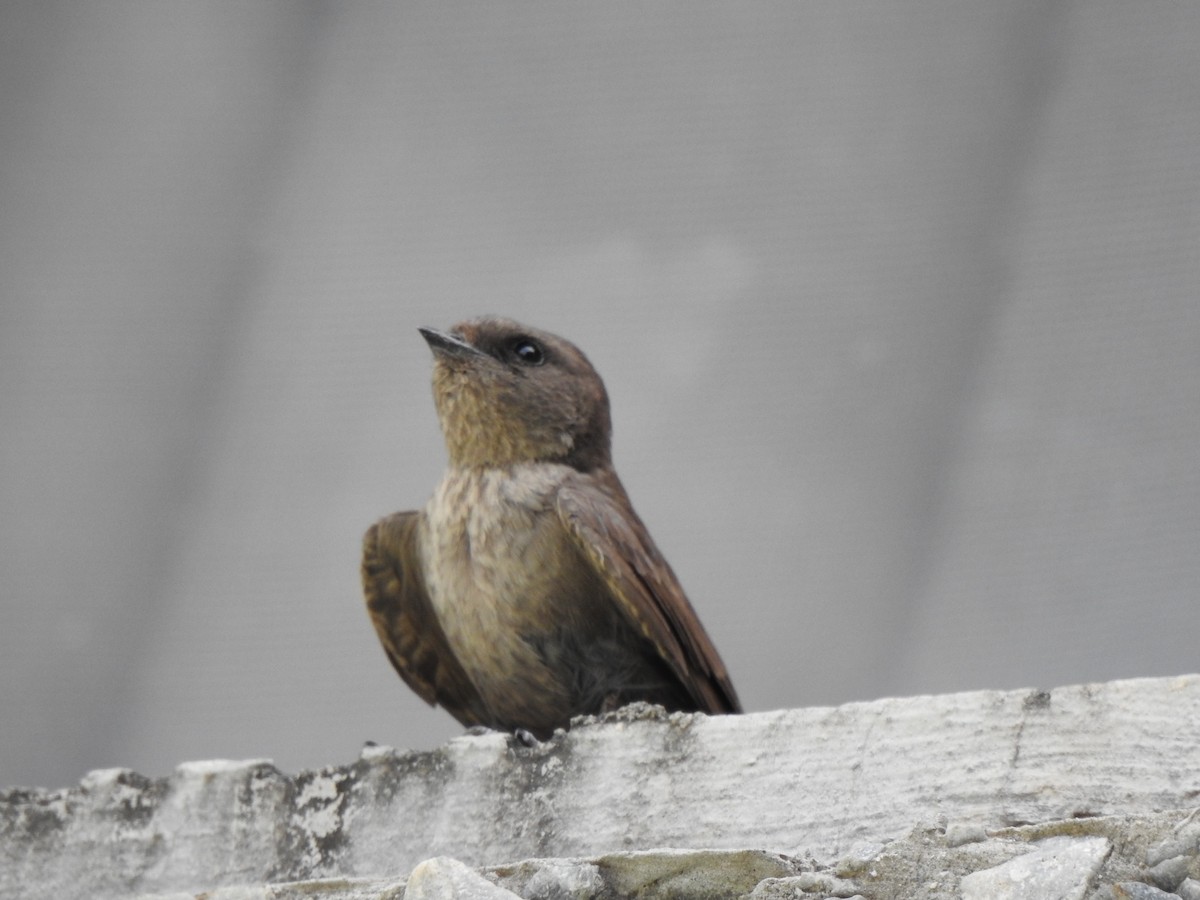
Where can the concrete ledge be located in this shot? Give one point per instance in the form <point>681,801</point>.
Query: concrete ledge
<point>806,783</point>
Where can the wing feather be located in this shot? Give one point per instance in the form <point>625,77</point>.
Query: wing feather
<point>599,516</point>
<point>406,623</point>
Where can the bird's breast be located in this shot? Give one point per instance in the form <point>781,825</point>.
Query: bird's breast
<point>495,532</point>
<point>506,579</point>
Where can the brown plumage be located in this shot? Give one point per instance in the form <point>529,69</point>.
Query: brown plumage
<point>528,591</point>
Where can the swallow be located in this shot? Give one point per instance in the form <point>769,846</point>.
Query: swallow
<point>528,591</point>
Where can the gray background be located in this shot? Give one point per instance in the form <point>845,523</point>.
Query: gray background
<point>897,305</point>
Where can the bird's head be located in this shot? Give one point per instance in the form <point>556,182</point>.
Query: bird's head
<point>506,394</point>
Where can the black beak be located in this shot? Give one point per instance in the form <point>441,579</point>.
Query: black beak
<point>445,344</point>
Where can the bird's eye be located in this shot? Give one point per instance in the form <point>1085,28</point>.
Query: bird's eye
<point>529,352</point>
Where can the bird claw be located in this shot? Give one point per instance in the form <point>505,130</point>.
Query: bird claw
<point>524,736</point>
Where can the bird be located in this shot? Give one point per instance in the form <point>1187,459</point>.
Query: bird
<point>528,591</point>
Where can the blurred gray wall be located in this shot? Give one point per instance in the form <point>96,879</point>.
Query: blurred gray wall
<point>897,305</point>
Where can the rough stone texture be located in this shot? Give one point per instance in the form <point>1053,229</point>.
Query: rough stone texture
<point>809,799</point>
<point>443,878</point>
<point>1100,859</point>
<point>1059,868</point>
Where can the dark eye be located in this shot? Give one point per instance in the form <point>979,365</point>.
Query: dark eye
<point>528,352</point>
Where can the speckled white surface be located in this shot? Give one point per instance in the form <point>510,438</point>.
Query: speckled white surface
<point>817,782</point>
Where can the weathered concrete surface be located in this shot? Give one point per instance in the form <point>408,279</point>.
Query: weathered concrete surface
<point>1100,859</point>
<point>806,782</point>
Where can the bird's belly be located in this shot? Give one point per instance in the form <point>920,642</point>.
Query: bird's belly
<point>512,594</point>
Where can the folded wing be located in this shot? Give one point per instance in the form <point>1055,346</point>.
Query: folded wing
<point>594,507</point>
<point>405,621</point>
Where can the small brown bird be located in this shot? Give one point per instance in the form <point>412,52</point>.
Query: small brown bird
<point>528,591</point>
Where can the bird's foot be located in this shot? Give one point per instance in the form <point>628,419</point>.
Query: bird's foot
<point>525,737</point>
